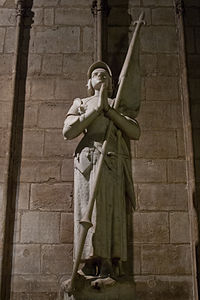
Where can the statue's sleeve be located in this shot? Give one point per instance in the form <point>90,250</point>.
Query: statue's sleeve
<point>75,108</point>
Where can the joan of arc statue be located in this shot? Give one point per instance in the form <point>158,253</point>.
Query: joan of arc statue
<point>106,242</point>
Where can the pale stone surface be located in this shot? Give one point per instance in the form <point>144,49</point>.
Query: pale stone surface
<point>59,146</point>
<point>158,3</point>
<point>52,64</point>
<point>180,143</point>
<point>33,143</point>
<point>51,197</point>
<point>41,3</point>
<point>67,228</point>
<point>150,227</point>
<point>166,259</point>
<point>162,197</point>
<point>71,88</point>
<point>67,170</point>
<point>161,88</point>
<point>73,16</point>
<point>167,64</point>
<point>7,17</point>
<point>30,115</point>
<point>45,36</point>
<point>3,141</point>
<point>159,39</point>
<point>42,88</point>
<point>40,170</point>
<point>24,195</point>
<point>155,144</point>
<point>149,170</point>
<point>84,3</point>
<point>160,115</point>
<point>75,65</point>
<point>2,167</point>
<point>179,227</point>
<point>38,16</point>
<point>5,87</point>
<point>26,259</point>
<point>50,115</point>
<point>5,64</point>
<point>48,16</point>
<point>88,39</point>
<point>34,64</point>
<point>4,114</point>
<point>176,170</point>
<point>9,38</point>
<point>40,227</point>
<point>56,259</point>
<point>2,35</point>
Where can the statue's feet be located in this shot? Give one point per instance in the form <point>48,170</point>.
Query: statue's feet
<point>103,283</point>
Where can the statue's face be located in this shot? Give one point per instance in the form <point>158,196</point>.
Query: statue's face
<point>98,77</point>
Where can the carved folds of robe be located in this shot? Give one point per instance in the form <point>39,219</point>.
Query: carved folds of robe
<point>108,236</point>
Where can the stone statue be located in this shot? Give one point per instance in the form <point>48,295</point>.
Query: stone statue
<point>103,186</point>
<point>106,243</point>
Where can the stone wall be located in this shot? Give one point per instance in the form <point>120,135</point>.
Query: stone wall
<point>60,49</point>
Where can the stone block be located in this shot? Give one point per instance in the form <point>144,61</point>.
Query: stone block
<point>84,3</point>
<point>167,64</point>
<point>70,89</point>
<point>59,146</point>
<point>165,197</point>
<point>67,170</point>
<point>134,259</point>
<point>38,16</point>
<point>2,169</point>
<point>151,227</point>
<point>163,16</point>
<point>67,228</point>
<point>33,141</point>
<point>39,282</point>
<point>52,64</point>
<point>23,196</point>
<point>17,228</point>
<point>19,296</point>
<point>180,143</point>
<point>40,227</point>
<point>157,39</point>
<point>160,115</point>
<point>25,88</point>
<point>53,40</point>
<point>57,259</point>
<point>5,64</point>
<point>4,114</point>
<point>30,115</point>
<point>43,296</point>
<point>148,64</point>
<point>48,16</point>
<point>5,88</point>
<point>164,287</point>
<point>157,144</point>
<point>148,170</point>
<point>40,170</point>
<point>2,2</point>
<point>135,13</point>
<point>41,3</point>
<point>73,16</point>
<point>26,259</point>
<point>51,197</point>
<point>7,17</point>
<point>166,259</point>
<point>2,37</point>
<point>158,3</point>
<point>161,88</point>
<point>34,64</point>
<point>176,170</point>
<point>51,115</point>
<point>88,39</point>
<point>3,142</point>
<point>42,88</point>
<point>179,227</point>
<point>9,38</point>
<point>75,66</point>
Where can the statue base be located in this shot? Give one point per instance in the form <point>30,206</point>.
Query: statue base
<point>102,289</point>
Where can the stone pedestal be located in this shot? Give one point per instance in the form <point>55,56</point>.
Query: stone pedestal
<point>122,290</point>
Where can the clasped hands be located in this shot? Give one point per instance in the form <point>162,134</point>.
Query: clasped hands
<point>103,99</point>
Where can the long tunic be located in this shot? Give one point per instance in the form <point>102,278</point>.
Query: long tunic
<point>108,236</point>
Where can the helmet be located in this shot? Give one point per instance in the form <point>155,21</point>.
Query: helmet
<point>96,65</point>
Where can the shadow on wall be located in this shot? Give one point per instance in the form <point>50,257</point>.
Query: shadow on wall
<point>16,146</point>
<point>119,22</point>
<point>192,30</point>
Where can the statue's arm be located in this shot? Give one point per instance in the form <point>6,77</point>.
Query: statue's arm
<point>75,125</point>
<point>129,126</point>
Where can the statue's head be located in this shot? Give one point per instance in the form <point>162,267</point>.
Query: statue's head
<point>99,71</point>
